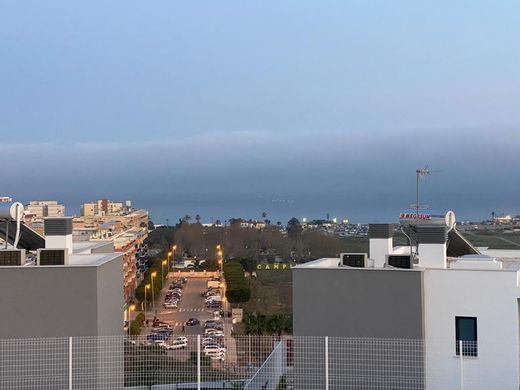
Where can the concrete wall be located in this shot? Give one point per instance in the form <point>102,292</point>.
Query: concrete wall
<point>348,302</point>
<point>356,304</point>
<point>491,296</point>
<point>110,311</point>
<point>48,302</point>
<point>59,301</point>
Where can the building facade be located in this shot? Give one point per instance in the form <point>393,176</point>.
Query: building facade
<point>443,310</point>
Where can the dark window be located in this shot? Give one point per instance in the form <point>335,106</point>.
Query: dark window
<point>466,331</point>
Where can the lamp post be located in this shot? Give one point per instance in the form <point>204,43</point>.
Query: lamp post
<point>220,255</point>
<point>146,287</point>
<point>131,308</point>
<point>164,262</point>
<point>173,256</point>
<point>153,293</point>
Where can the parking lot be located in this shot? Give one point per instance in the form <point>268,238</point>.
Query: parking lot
<point>191,306</point>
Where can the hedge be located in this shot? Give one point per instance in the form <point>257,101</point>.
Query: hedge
<point>237,288</point>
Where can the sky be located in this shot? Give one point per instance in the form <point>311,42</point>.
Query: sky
<point>231,108</point>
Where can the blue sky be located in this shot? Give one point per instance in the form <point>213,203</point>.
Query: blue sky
<point>246,99</point>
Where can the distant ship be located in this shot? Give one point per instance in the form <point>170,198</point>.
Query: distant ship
<point>282,201</point>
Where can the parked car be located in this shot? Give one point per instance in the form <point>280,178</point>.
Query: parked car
<point>213,348</point>
<point>177,344</point>
<point>216,355</point>
<point>181,338</point>
<point>157,337</point>
<point>214,332</point>
<point>192,321</point>
<point>170,305</point>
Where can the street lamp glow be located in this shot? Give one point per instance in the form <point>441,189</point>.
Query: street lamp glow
<point>131,308</point>
<point>146,287</point>
<point>164,262</point>
<point>153,274</point>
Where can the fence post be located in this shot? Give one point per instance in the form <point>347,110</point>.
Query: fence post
<point>198,363</point>
<point>326,362</point>
<point>461,354</point>
<point>70,363</point>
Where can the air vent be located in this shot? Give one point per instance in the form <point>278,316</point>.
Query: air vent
<point>399,261</point>
<point>52,257</point>
<point>353,259</point>
<point>15,257</point>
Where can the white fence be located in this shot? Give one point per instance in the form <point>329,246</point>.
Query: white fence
<point>247,362</point>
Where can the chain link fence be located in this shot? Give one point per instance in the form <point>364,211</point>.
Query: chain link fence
<point>244,362</point>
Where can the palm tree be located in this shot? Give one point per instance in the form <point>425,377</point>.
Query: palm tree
<point>197,218</point>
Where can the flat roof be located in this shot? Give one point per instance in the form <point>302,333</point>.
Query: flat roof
<point>84,247</point>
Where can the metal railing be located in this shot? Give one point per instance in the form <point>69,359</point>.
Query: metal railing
<point>253,362</point>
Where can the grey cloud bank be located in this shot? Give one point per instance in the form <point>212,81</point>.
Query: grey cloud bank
<point>367,176</point>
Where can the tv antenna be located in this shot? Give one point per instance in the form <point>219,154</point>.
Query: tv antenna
<point>421,173</point>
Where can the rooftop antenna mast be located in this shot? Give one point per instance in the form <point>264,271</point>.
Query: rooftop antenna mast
<point>420,174</point>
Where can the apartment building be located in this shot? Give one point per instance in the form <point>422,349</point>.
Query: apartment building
<point>126,230</point>
<point>44,208</point>
<point>441,301</point>
<point>102,207</point>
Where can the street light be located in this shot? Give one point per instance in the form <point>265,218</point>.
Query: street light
<point>164,262</point>
<point>173,256</point>
<point>131,308</point>
<point>153,293</point>
<point>146,287</point>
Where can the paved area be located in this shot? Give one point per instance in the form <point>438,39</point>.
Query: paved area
<point>191,306</point>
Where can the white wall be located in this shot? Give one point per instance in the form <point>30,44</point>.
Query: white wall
<point>432,255</point>
<point>59,242</point>
<point>378,249</point>
<point>492,297</point>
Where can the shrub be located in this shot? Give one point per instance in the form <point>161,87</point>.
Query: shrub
<point>238,290</point>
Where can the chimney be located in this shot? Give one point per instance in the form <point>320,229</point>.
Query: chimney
<point>432,246</point>
<point>58,233</point>
<point>381,243</point>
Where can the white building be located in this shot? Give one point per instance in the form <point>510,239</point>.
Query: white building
<point>445,294</point>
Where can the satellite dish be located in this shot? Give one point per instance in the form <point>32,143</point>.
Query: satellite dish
<point>450,220</point>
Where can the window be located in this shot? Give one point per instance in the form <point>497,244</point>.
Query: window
<point>466,331</point>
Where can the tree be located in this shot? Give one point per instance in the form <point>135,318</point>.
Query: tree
<point>264,214</point>
<point>187,218</point>
<point>197,218</point>
<point>294,229</point>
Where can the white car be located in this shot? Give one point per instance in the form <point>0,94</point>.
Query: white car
<point>214,332</point>
<point>213,348</point>
<point>177,344</point>
<point>170,305</point>
<point>214,298</point>
<point>182,338</point>
<point>216,355</point>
